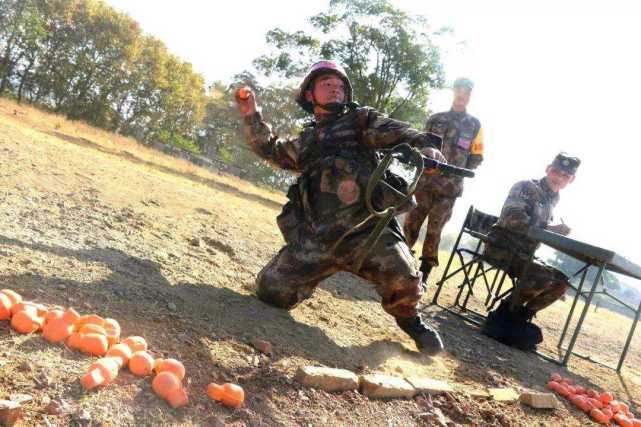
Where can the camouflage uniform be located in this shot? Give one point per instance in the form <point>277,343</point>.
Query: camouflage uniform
<point>436,193</point>
<point>335,159</point>
<point>530,203</point>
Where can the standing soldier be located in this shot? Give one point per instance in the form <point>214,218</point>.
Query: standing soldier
<point>529,204</point>
<point>335,157</point>
<point>436,194</point>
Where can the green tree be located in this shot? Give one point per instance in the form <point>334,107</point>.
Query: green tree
<point>389,55</point>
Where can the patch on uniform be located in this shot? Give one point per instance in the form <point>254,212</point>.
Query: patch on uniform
<point>348,191</point>
<point>464,143</point>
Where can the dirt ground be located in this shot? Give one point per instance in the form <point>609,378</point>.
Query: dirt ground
<point>94,221</point>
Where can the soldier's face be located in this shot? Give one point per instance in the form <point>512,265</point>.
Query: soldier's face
<point>461,99</point>
<point>328,88</point>
<point>557,179</point>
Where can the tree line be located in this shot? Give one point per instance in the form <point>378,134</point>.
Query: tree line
<point>84,59</point>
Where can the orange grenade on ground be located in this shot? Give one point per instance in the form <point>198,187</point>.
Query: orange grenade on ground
<point>59,325</point>
<point>101,372</point>
<point>229,394</point>
<point>27,317</point>
<point>167,385</point>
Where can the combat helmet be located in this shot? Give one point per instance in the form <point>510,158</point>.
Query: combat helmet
<point>315,70</point>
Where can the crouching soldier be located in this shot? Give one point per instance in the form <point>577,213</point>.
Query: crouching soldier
<point>335,157</point>
<point>529,203</point>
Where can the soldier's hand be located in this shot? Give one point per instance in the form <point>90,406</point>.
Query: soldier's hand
<point>561,229</point>
<point>246,100</point>
<point>435,154</point>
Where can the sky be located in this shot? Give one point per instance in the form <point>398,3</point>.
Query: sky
<point>549,76</point>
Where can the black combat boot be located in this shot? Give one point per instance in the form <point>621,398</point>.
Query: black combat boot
<point>426,269</point>
<point>513,328</point>
<point>426,338</point>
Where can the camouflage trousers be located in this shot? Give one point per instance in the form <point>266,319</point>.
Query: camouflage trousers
<point>295,272</point>
<point>438,210</point>
<point>538,285</point>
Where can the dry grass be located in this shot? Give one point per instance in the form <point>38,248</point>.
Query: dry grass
<point>116,144</point>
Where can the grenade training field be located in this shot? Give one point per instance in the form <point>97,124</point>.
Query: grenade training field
<point>95,221</point>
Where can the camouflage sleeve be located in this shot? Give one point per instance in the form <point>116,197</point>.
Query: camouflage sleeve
<point>476,150</point>
<point>516,214</point>
<point>382,132</point>
<point>281,152</point>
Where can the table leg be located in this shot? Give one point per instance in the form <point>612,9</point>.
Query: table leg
<point>576,298</point>
<point>588,301</point>
<point>629,339</point>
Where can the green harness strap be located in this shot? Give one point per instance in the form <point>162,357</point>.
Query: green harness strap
<point>386,215</point>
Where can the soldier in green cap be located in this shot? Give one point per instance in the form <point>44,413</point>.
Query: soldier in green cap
<point>335,157</point>
<point>529,204</point>
<point>436,194</point>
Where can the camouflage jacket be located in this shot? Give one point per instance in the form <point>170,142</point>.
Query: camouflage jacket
<point>335,158</point>
<point>530,203</point>
<point>462,146</point>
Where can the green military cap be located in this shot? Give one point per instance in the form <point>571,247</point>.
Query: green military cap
<point>566,163</point>
<point>465,83</point>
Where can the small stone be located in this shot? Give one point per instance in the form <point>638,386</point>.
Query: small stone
<point>62,287</point>
<point>196,242</point>
<point>21,398</point>
<point>264,347</point>
<point>384,386</point>
<point>82,418</point>
<point>25,367</point>
<point>328,379</point>
<point>435,417</point>
<point>504,394</point>
<point>59,407</point>
<point>428,385</point>
<point>539,400</point>
<point>171,306</point>
<point>10,413</point>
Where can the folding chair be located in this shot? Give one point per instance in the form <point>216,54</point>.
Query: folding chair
<point>474,267</point>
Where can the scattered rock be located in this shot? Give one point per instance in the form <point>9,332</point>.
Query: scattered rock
<point>264,347</point>
<point>539,400</point>
<point>25,367</point>
<point>62,287</point>
<point>428,385</point>
<point>479,393</point>
<point>504,394</point>
<point>171,306</point>
<point>384,386</point>
<point>435,417</point>
<point>59,407</point>
<point>196,242</point>
<point>328,379</point>
<point>10,413</point>
<point>82,418</point>
<point>21,398</point>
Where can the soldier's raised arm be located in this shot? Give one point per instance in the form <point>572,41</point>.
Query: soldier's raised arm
<point>380,131</point>
<point>260,137</point>
<point>516,214</point>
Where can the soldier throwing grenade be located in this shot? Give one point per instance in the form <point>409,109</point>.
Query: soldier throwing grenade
<point>334,156</point>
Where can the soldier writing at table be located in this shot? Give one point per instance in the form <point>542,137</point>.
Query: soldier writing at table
<point>529,204</point>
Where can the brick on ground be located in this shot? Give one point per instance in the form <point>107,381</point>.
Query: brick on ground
<point>328,379</point>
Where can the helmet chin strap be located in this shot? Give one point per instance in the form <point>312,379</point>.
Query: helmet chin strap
<point>331,107</point>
